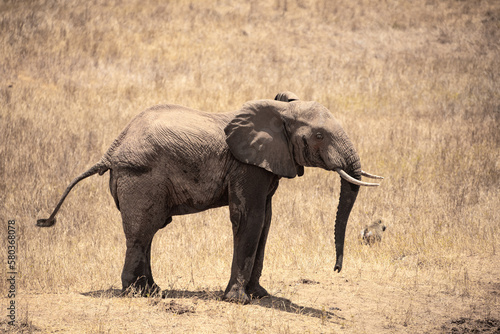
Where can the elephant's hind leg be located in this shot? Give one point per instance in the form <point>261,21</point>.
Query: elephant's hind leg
<point>142,205</point>
<point>137,269</point>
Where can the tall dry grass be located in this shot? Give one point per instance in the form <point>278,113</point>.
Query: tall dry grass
<point>415,84</point>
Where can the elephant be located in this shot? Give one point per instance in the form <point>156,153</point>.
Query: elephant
<point>172,160</point>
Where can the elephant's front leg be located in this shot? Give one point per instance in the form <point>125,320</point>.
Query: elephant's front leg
<point>254,289</point>
<point>247,229</point>
<point>247,206</point>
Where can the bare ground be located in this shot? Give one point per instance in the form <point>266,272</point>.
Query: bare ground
<point>319,304</point>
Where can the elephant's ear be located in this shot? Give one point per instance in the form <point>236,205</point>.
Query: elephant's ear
<point>286,97</point>
<point>256,135</point>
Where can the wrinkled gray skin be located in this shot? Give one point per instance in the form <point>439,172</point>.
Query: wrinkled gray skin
<point>171,160</point>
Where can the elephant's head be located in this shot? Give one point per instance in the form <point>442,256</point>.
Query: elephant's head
<point>285,135</point>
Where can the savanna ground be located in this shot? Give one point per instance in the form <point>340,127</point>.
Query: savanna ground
<point>416,85</point>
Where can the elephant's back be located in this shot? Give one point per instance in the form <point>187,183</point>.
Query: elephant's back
<point>170,131</point>
<point>175,118</point>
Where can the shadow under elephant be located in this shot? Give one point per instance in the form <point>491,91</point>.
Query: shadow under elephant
<point>272,302</point>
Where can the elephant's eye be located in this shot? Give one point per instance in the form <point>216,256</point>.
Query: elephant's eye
<point>319,136</point>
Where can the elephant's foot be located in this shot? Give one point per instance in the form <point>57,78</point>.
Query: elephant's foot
<point>237,295</point>
<point>257,291</point>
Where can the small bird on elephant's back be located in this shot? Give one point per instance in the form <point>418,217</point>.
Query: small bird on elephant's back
<point>373,233</point>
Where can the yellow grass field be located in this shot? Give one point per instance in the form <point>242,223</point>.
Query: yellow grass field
<point>415,84</point>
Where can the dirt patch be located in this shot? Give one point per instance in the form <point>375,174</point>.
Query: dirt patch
<point>467,325</point>
<point>307,281</point>
<point>175,308</point>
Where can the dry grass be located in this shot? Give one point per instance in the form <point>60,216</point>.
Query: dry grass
<point>415,84</point>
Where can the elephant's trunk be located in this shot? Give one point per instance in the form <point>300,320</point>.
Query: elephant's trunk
<point>350,183</point>
<point>348,194</point>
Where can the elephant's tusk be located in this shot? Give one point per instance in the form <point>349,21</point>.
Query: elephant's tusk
<point>352,180</point>
<point>372,176</point>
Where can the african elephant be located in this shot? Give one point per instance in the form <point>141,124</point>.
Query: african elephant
<point>171,160</point>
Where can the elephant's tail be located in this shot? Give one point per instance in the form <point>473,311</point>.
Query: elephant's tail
<point>101,167</point>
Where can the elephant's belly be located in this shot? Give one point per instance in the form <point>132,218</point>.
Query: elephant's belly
<point>194,184</point>
<point>190,196</point>
<point>193,206</point>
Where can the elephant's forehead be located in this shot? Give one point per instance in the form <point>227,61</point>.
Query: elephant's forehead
<point>315,115</point>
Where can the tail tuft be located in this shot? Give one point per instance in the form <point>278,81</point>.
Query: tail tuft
<point>45,222</point>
